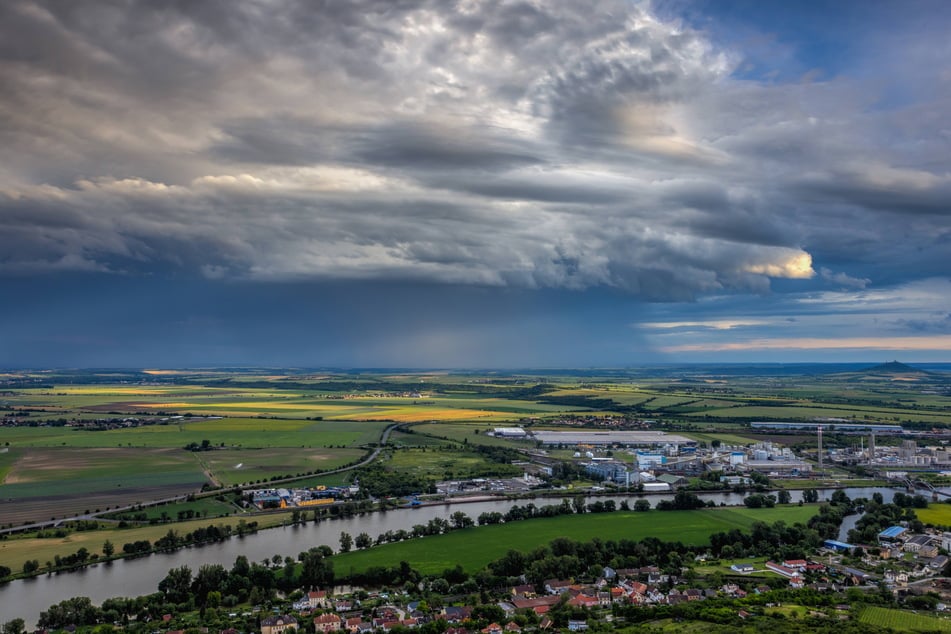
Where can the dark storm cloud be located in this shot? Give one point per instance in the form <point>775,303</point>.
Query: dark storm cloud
<point>415,146</point>
<point>511,144</point>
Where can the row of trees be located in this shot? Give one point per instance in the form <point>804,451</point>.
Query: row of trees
<point>210,587</point>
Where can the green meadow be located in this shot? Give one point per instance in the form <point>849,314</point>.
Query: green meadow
<point>902,620</point>
<point>473,548</point>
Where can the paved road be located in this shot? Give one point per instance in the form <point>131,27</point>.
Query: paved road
<point>384,438</point>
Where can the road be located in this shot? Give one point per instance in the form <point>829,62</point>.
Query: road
<point>384,439</point>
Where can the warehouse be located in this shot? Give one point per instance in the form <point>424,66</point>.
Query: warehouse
<point>612,438</point>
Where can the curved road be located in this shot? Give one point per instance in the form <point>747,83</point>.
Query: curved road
<point>384,439</point>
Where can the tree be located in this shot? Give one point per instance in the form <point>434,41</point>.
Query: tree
<point>210,577</point>
<point>346,542</point>
<point>108,549</point>
<point>810,496</point>
<point>177,584</point>
<point>363,541</point>
<point>784,497</point>
<point>642,505</point>
<point>16,626</point>
<point>31,566</point>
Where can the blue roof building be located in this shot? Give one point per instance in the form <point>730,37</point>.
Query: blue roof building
<point>892,533</point>
<point>834,544</point>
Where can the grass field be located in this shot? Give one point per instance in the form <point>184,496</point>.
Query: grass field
<point>205,508</point>
<point>937,514</point>
<point>67,471</point>
<point>233,432</point>
<point>237,466</point>
<point>7,458</point>
<point>446,464</point>
<point>473,548</point>
<point>811,411</point>
<point>902,621</point>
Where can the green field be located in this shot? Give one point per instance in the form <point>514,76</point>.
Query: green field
<point>266,423</point>
<point>804,412</point>
<point>207,507</point>
<point>902,621</point>
<point>239,466</point>
<point>473,548</point>
<point>447,465</point>
<point>937,514</point>
<point>232,432</point>
<point>65,471</point>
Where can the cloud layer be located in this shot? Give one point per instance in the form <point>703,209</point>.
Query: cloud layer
<point>513,144</point>
<point>516,143</point>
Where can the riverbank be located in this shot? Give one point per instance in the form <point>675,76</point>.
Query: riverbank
<point>139,576</point>
<point>45,551</point>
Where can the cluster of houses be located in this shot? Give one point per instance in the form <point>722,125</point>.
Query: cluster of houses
<point>925,560</point>
<point>638,586</point>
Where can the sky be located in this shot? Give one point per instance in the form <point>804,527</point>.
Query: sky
<point>392,183</point>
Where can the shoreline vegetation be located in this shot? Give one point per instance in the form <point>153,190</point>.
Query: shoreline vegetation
<point>149,539</point>
<point>565,556</point>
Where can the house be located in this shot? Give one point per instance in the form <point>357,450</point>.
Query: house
<point>796,564</point>
<point>937,563</point>
<point>278,624</point>
<point>693,594</point>
<point>729,589</point>
<point>512,626</point>
<point>356,625</point>
<point>545,623</point>
<point>493,628</point>
<point>584,601</point>
<point>329,622</point>
<point>557,586</point>
<point>457,614</point>
<point>743,569</point>
<point>318,599</point>
<point>577,626</point>
<point>527,590</point>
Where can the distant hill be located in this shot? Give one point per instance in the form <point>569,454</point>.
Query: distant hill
<point>894,367</point>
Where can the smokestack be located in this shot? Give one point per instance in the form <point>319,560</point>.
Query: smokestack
<point>871,447</point>
<point>820,447</point>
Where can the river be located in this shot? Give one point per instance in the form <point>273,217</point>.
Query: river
<point>26,598</point>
